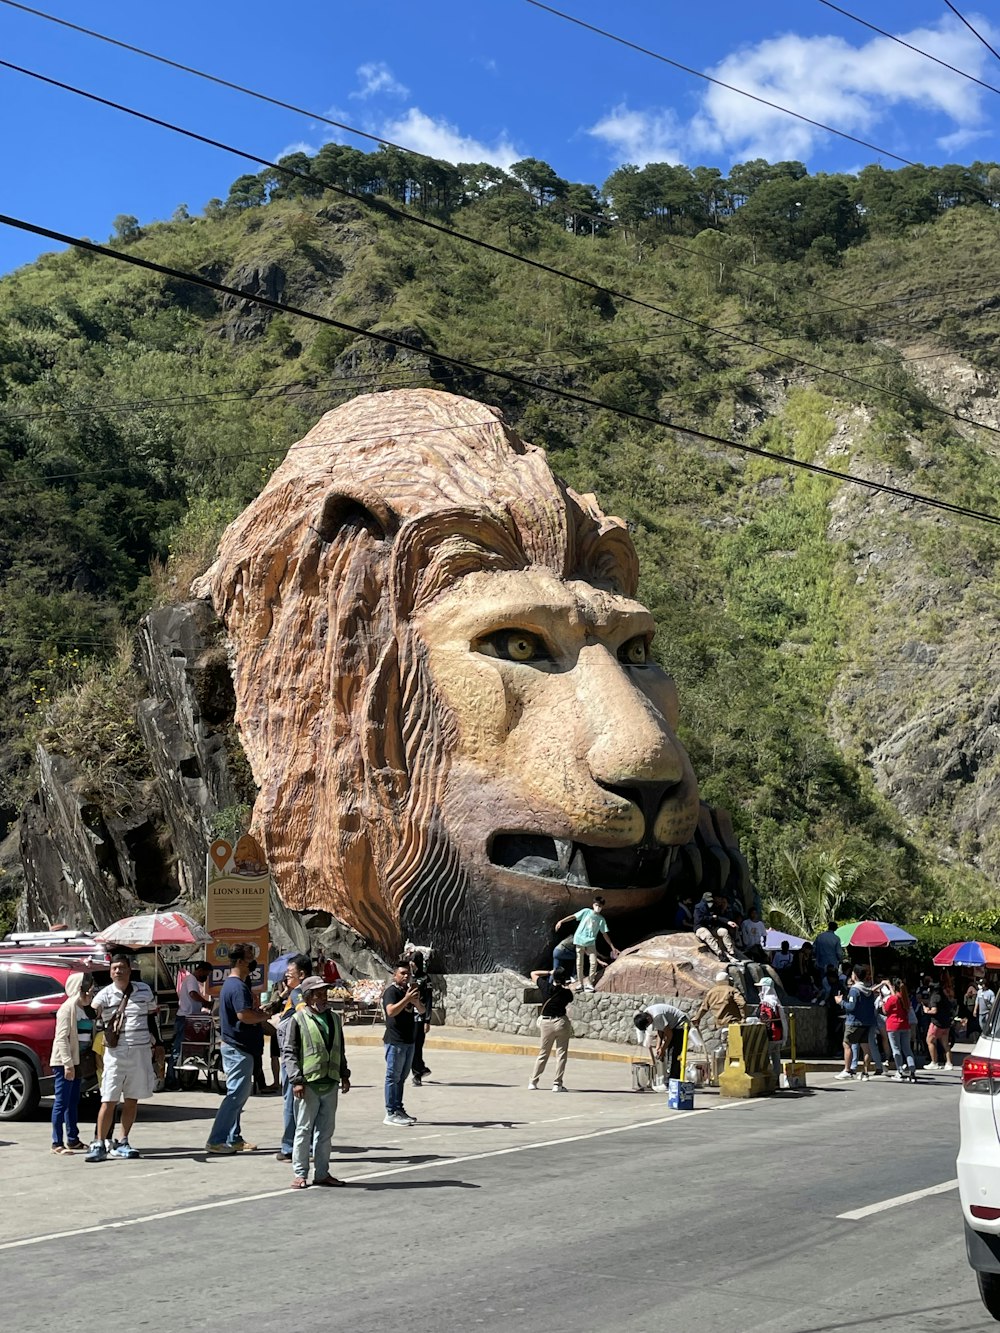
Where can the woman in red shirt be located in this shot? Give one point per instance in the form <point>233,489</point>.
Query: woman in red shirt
<point>897,1025</point>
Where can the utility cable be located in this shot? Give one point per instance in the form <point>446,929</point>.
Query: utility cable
<point>975,31</point>
<point>709,78</point>
<point>509,377</point>
<point>398,215</point>
<point>873,27</point>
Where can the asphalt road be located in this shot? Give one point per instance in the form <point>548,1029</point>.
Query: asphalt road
<point>504,1209</point>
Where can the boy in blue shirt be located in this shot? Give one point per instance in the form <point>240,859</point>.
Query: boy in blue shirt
<point>590,923</point>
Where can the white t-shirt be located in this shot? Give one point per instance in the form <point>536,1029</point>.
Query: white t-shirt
<point>188,988</point>
<point>753,933</point>
<point>141,1003</point>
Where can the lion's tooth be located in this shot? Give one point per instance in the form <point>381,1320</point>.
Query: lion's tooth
<point>668,860</point>
<point>564,850</point>
<point>578,869</point>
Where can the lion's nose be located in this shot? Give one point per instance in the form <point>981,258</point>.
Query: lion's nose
<point>649,797</point>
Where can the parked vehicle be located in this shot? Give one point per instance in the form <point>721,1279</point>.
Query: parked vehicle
<point>979,1160</point>
<point>31,991</point>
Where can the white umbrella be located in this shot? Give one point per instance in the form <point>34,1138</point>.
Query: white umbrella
<point>154,929</point>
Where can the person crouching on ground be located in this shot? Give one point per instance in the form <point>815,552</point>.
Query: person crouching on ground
<point>315,1062</point>
<point>127,1009</point>
<point>665,1020</point>
<point>555,1027</point>
<point>772,1014</point>
<point>65,1060</point>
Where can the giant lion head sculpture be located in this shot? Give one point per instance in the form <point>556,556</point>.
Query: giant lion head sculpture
<point>444,687</point>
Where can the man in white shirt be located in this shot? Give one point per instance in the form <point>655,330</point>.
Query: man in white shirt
<point>127,1010</point>
<point>753,932</point>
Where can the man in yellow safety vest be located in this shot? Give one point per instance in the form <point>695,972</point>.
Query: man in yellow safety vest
<point>315,1064</point>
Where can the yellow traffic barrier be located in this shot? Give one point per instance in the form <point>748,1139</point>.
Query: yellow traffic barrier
<point>793,1075</point>
<point>748,1066</point>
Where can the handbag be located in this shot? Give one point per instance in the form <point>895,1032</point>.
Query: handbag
<point>113,1030</point>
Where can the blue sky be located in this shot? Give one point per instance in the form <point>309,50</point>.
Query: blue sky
<point>468,80</point>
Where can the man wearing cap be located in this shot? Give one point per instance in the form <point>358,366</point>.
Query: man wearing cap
<point>659,1022</point>
<point>312,1051</point>
<point>715,932</point>
<point>724,1002</point>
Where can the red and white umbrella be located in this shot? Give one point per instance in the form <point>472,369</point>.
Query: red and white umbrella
<point>154,929</point>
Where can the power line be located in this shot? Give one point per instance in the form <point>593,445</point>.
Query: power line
<point>520,381</point>
<point>873,27</point>
<point>975,31</point>
<point>399,215</point>
<point>709,78</point>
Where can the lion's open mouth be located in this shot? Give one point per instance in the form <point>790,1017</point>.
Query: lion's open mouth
<point>577,863</point>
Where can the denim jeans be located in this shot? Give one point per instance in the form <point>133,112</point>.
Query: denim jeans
<point>238,1068</point>
<point>67,1093</point>
<point>398,1062</point>
<point>175,1051</point>
<point>902,1052</point>
<point>315,1118</point>
<point>288,1128</point>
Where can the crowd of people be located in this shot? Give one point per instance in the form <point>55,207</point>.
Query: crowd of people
<point>307,1043</point>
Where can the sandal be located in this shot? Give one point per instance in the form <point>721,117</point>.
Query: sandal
<point>299,1183</point>
<point>332,1181</point>
<point>59,1150</point>
<point>76,1146</point>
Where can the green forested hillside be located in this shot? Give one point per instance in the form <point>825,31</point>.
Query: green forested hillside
<point>138,414</point>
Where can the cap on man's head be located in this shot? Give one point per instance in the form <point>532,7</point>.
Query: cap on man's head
<point>708,897</point>
<point>722,976</point>
<point>311,984</point>
<point>765,983</point>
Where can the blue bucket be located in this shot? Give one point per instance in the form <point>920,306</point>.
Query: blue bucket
<point>680,1095</point>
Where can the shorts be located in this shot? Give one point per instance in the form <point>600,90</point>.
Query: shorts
<point>128,1073</point>
<point>856,1036</point>
<point>938,1033</point>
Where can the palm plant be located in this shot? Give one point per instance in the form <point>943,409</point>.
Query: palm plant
<point>813,889</point>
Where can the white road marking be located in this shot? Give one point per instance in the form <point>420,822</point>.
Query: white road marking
<point>436,1163</point>
<point>856,1214</point>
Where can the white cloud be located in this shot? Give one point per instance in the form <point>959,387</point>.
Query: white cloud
<point>439,138</point>
<point>376,77</point>
<point>853,88</point>
<point>641,136</point>
<point>951,143</point>
<point>299,146</point>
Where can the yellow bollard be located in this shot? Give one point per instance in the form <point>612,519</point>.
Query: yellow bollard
<point>748,1066</point>
<point>793,1075</point>
<point>680,1093</point>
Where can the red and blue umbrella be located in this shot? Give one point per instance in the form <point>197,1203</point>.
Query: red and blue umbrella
<point>968,953</point>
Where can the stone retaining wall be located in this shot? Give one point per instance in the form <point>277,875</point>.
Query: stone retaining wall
<point>504,1002</point>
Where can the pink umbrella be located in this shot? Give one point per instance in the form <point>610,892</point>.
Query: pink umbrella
<point>154,928</point>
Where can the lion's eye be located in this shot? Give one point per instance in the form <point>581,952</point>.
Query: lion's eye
<point>516,645</point>
<point>635,652</point>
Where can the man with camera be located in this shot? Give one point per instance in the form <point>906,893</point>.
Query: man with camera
<point>401,1001</point>
<point>127,1010</point>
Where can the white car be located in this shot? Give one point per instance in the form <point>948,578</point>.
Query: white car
<point>979,1160</point>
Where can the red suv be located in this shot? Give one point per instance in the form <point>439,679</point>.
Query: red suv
<point>30,993</point>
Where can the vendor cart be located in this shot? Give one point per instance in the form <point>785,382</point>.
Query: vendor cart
<point>200,1053</point>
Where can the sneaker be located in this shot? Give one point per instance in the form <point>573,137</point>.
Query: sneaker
<point>864,1077</point>
<point>659,1086</point>
<point>98,1152</point>
<point>122,1149</point>
<point>398,1119</point>
<point>933,1065</point>
<point>558,1087</point>
<point>588,987</point>
<point>949,1066</point>
<point>416,1081</point>
<point>221,1149</point>
<point>282,1156</point>
<point>913,1076</point>
<point>897,1077</point>
<point>410,1119</point>
<point>533,1085</point>
<point>844,1075</point>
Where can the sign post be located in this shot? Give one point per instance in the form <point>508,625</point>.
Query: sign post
<point>237,906</point>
